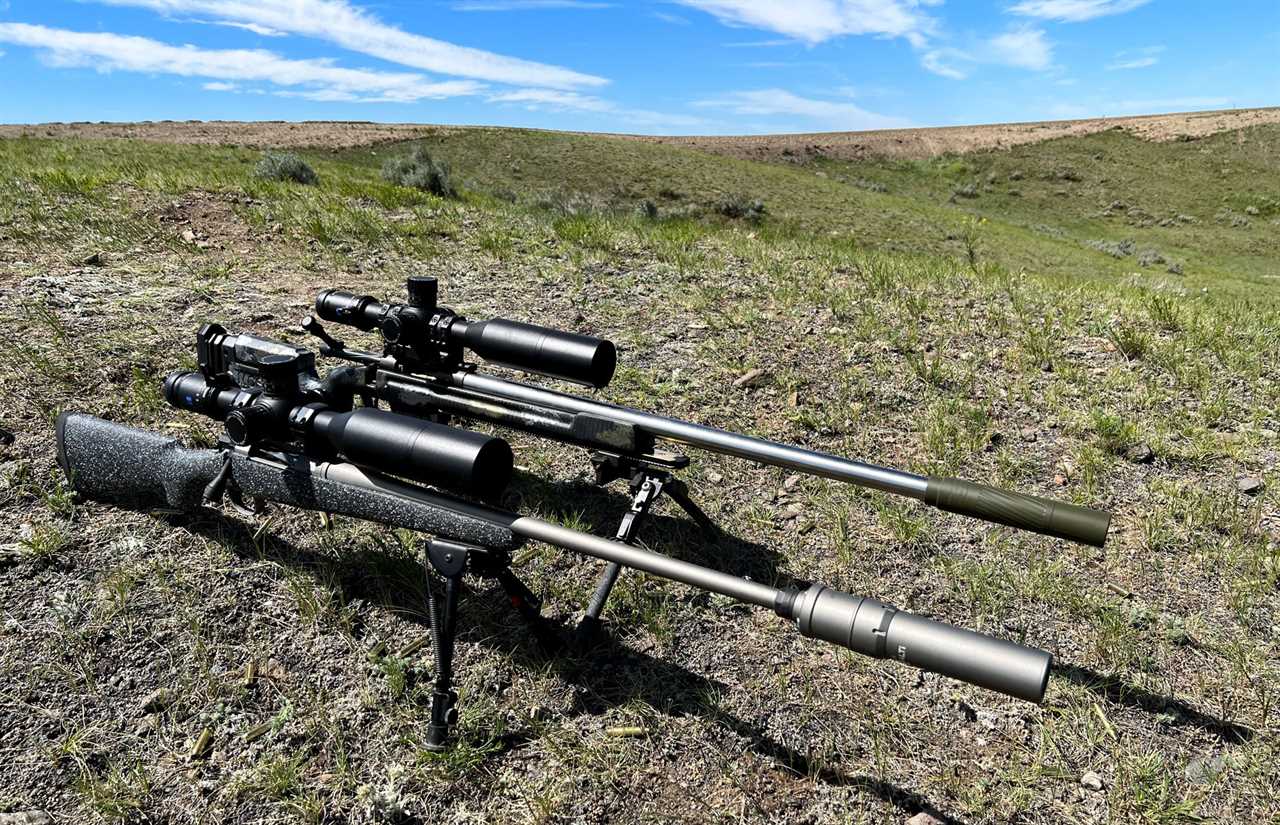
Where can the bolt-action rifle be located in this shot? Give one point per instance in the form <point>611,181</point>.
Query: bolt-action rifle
<point>422,371</point>
<point>126,466</point>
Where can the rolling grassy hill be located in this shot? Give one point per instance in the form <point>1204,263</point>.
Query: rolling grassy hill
<point>916,313</point>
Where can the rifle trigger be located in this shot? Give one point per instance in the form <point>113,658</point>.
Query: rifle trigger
<point>215,489</point>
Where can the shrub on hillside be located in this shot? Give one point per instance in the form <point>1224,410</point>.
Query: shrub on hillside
<point>418,170</point>
<point>285,166</point>
<point>1116,249</point>
<point>741,207</point>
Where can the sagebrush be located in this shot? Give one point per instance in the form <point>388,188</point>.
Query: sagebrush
<point>286,166</point>
<point>419,170</point>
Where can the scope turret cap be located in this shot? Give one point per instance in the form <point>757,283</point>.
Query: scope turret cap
<point>279,373</point>
<point>424,291</point>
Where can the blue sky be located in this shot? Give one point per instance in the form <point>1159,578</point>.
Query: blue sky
<point>656,66</point>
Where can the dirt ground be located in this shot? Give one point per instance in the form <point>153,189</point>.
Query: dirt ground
<point>903,143</point>
<point>925,143</point>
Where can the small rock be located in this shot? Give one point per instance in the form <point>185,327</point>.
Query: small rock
<point>714,477</point>
<point>751,378</point>
<point>791,482</point>
<point>188,236</point>
<point>26,818</point>
<point>1204,769</point>
<point>92,260</point>
<point>158,700</point>
<point>1249,485</point>
<point>924,818</point>
<point>1029,434</point>
<point>1092,781</point>
<point>1140,454</point>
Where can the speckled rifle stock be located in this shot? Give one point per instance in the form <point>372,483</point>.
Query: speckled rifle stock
<point>122,465</point>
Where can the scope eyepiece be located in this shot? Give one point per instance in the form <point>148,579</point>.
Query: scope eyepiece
<point>363,312</point>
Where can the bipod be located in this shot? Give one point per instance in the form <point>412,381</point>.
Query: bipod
<point>649,477</point>
<point>450,560</point>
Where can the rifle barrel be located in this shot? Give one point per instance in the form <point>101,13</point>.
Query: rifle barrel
<point>1040,515</point>
<point>860,624</point>
<point>709,438</point>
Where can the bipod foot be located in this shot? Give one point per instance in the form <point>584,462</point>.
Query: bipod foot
<point>589,634</point>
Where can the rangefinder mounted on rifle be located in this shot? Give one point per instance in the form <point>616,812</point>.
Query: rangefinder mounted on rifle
<point>423,371</point>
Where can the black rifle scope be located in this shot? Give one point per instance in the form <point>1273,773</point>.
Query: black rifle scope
<point>428,336</point>
<point>385,441</point>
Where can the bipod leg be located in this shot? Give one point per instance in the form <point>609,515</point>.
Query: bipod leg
<point>449,560</point>
<point>679,493</point>
<point>647,487</point>
<point>529,606</point>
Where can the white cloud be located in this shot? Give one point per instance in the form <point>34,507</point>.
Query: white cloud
<point>107,52</point>
<point>759,44</point>
<point>555,98</point>
<point>526,5</point>
<point>560,100</point>
<point>673,19</point>
<point>1022,48</point>
<point>353,28</point>
<point>1137,63</point>
<point>1135,59</point>
<point>1123,108</point>
<point>1074,11</point>
<point>814,21</point>
<point>262,31</point>
<point>1019,48</point>
<point>219,86</point>
<point>825,112</point>
<point>942,62</point>
<point>1165,104</point>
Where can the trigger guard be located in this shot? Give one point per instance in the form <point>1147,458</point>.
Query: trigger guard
<point>237,502</point>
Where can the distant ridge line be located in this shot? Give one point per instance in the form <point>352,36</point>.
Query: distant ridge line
<point>898,143</point>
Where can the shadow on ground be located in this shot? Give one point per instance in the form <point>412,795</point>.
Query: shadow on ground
<point>608,673</point>
<point>1117,691</point>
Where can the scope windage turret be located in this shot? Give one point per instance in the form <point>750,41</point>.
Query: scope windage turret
<point>434,336</point>
<point>400,445</point>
